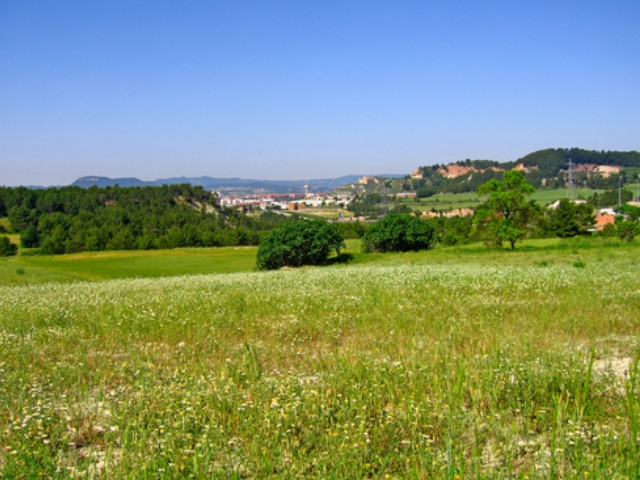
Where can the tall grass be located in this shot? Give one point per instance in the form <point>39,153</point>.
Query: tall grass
<point>403,370</point>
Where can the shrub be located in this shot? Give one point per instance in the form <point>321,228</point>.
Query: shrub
<point>351,230</point>
<point>299,243</point>
<point>399,233</point>
<point>7,248</point>
<point>627,230</point>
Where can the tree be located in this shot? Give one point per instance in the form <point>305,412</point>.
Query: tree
<point>400,208</point>
<point>399,233</point>
<point>30,238</point>
<point>610,197</point>
<point>506,215</point>
<point>7,248</point>
<point>627,230</point>
<point>20,217</point>
<point>299,243</point>
<point>570,219</point>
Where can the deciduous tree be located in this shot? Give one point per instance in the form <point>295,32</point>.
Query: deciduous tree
<point>507,215</point>
<point>299,243</point>
<point>399,233</point>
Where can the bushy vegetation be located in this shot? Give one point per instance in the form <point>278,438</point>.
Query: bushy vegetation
<point>610,198</point>
<point>366,205</point>
<point>453,231</point>
<point>351,229</point>
<point>73,219</point>
<point>7,248</point>
<point>399,233</point>
<point>628,230</point>
<point>305,242</point>
<point>569,219</point>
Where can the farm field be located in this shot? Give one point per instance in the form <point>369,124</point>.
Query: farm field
<point>328,213</point>
<point>98,266</point>
<point>450,201</point>
<point>453,363</point>
<point>125,264</point>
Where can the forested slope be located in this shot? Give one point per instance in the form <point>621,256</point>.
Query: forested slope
<point>74,219</point>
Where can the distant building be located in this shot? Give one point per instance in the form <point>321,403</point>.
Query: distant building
<point>429,214</point>
<point>459,212</point>
<point>603,220</point>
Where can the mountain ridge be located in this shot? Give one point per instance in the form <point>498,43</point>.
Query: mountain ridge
<point>227,185</point>
<point>545,167</point>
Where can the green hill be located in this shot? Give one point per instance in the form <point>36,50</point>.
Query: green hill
<point>544,169</point>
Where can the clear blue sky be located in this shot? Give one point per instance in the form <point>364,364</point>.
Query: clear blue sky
<point>308,89</point>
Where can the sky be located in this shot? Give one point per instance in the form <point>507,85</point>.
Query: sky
<point>308,89</point>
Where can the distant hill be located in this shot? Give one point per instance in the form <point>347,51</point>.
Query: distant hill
<point>225,185</point>
<point>86,182</point>
<point>544,169</point>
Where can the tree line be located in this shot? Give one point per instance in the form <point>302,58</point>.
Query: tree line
<point>74,219</point>
<point>506,215</point>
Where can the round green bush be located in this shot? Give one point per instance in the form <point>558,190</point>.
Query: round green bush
<point>299,243</point>
<point>7,248</point>
<point>399,233</point>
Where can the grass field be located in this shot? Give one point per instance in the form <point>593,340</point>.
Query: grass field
<point>453,363</point>
<point>450,201</point>
<point>330,213</point>
<point>98,266</point>
<point>125,264</point>
<point>13,237</point>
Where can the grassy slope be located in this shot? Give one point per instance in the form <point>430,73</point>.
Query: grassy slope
<point>327,212</point>
<point>453,363</point>
<point>161,263</point>
<point>126,264</point>
<point>447,201</point>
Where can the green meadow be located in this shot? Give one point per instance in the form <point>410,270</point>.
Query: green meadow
<point>125,264</point>
<point>450,201</point>
<point>460,362</point>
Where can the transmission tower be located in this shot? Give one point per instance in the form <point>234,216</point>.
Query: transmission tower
<point>384,201</point>
<point>570,182</point>
<point>620,190</point>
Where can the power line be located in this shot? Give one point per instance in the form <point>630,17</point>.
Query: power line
<point>570,183</point>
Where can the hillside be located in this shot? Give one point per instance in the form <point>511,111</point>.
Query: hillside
<point>73,219</point>
<point>544,169</point>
